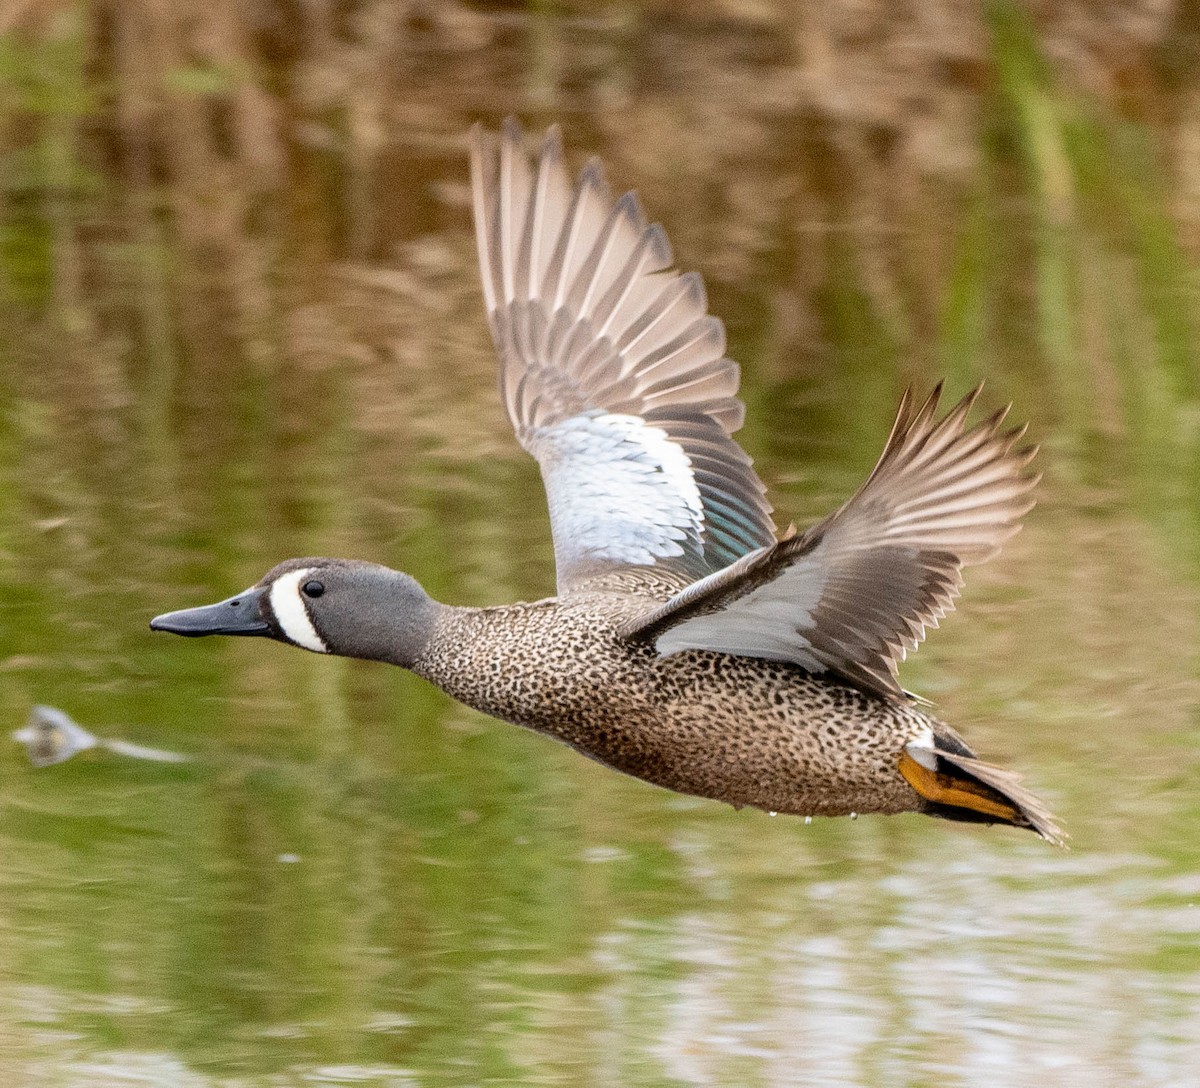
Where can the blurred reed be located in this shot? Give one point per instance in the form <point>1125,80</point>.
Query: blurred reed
<point>231,238</point>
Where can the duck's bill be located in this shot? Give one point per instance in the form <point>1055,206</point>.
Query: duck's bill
<point>239,615</point>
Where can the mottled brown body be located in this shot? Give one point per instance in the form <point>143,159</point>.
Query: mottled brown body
<point>737,729</point>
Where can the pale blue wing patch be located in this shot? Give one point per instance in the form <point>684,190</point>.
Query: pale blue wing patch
<point>620,493</point>
<point>772,622</point>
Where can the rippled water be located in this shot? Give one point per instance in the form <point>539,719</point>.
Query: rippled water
<point>267,340</point>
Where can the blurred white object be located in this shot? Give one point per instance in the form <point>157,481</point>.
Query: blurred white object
<point>51,736</point>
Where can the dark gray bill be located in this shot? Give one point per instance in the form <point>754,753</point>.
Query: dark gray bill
<point>240,615</point>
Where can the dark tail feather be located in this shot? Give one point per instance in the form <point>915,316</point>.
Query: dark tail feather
<point>965,788</point>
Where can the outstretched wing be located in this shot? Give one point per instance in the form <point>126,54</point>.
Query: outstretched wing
<point>857,591</point>
<point>612,371</point>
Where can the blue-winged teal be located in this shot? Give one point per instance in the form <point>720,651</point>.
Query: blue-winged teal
<point>688,645</point>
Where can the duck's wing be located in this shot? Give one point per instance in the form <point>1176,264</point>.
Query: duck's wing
<point>613,373</point>
<point>855,592</point>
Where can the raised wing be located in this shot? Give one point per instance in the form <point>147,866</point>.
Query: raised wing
<point>612,371</point>
<point>857,591</point>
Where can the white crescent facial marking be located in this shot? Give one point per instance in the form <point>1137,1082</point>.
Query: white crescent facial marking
<point>291,614</point>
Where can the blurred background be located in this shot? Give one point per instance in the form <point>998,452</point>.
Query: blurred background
<point>240,320</point>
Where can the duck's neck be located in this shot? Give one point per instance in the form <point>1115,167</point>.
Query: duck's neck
<point>488,658</point>
<point>457,637</point>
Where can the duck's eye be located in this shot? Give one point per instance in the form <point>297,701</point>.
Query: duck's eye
<point>313,589</point>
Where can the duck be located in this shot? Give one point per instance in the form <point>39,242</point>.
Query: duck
<point>689,644</point>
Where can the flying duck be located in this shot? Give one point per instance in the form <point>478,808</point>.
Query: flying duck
<point>689,644</point>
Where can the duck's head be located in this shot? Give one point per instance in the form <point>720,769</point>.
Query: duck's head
<point>330,606</point>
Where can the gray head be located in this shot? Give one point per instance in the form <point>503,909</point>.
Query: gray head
<point>330,606</point>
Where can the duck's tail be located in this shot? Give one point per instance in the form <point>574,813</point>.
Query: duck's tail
<point>958,786</point>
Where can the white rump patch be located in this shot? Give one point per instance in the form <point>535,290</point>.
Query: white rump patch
<point>292,615</point>
<point>921,749</point>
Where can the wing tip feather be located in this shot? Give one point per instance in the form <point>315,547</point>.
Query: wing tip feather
<point>594,177</point>
<point>512,133</point>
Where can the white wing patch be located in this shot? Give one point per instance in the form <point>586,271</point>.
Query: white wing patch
<point>620,491</point>
<point>291,613</point>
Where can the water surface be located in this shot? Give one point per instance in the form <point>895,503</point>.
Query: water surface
<point>242,322</point>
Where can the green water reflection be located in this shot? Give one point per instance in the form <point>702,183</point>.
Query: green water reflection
<point>241,322</point>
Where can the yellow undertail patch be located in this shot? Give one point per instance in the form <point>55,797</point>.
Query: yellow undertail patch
<point>959,792</point>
